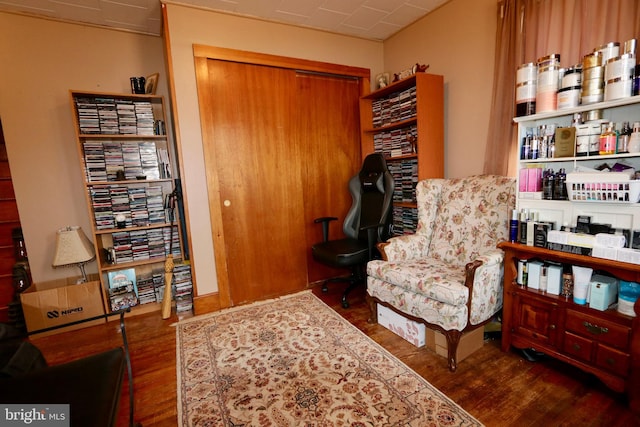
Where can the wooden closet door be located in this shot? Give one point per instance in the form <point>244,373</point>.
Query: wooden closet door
<point>329,138</point>
<point>279,147</point>
<point>253,153</point>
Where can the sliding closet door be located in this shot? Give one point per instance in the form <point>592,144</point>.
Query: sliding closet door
<point>329,138</point>
<point>281,140</point>
<point>256,162</point>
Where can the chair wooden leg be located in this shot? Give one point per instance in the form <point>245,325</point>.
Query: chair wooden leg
<point>373,310</point>
<point>453,339</point>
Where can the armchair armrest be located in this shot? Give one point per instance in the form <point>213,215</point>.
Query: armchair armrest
<point>484,279</point>
<point>404,248</point>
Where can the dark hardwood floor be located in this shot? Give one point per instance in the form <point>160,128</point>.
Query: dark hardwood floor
<point>499,389</point>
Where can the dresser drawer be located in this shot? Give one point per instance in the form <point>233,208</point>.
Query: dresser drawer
<point>578,347</point>
<point>598,329</point>
<point>613,360</point>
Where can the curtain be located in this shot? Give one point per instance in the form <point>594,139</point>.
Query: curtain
<point>530,29</point>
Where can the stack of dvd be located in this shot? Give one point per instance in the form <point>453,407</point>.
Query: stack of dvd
<point>131,159</point>
<point>409,171</point>
<point>163,163</point>
<point>158,282</point>
<point>398,106</point>
<point>149,160</point>
<point>88,119</point>
<point>126,117</point>
<point>120,203</point>
<point>144,118</point>
<point>108,116</point>
<point>155,206</point>
<point>139,245</point>
<point>167,241</point>
<point>397,142</point>
<point>122,247</point>
<point>113,159</point>
<point>138,206</point>
<point>95,166</point>
<point>146,290</point>
<point>395,168</point>
<point>102,211</point>
<point>155,239</point>
<point>183,287</point>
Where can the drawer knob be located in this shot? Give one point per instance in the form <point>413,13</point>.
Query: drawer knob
<point>577,347</point>
<point>595,329</point>
<point>552,327</point>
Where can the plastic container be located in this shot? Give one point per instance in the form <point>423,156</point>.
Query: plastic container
<point>603,187</point>
<point>628,293</point>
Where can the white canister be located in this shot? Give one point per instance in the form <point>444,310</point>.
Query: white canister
<point>526,84</point>
<point>608,51</point>
<point>548,77</point>
<point>571,77</point>
<point>526,98</point>
<point>526,73</point>
<point>618,88</point>
<point>620,67</point>
<point>568,97</point>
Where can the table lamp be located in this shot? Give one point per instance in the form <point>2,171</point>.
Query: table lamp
<point>73,248</point>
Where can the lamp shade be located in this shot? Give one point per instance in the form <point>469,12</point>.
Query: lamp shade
<point>72,247</point>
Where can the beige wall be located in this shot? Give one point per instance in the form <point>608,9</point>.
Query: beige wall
<point>188,26</point>
<point>457,41</point>
<point>40,60</point>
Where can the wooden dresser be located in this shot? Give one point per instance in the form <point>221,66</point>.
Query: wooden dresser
<point>604,343</point>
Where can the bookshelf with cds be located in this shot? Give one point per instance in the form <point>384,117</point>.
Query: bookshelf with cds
<point>405,122</point>
<point>126,164</point>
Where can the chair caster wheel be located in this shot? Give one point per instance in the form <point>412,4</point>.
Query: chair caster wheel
<point>325,289</point>
<point>345,304</point>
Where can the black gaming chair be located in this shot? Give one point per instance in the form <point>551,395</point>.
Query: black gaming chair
<point>367,223</point>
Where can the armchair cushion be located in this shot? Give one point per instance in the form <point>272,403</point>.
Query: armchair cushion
<point>427,276</point>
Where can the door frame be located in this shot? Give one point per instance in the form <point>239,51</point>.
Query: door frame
<point>201,55</point>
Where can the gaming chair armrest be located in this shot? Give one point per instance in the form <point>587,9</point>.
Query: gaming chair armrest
<point>371,236</point>
<point>325,220</point>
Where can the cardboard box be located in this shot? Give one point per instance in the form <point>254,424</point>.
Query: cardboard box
<point>469,342</point>
<point>59,302</point>
<point>414,332</point>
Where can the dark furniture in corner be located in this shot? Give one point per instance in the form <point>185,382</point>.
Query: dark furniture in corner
<point>91,386</point>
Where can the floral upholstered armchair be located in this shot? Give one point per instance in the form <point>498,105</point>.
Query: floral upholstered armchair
<point>448,275</point>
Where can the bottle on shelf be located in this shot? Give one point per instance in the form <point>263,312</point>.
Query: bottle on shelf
<point>634,139</point>
<point>623,138</point>
<point>560,185</point>
<point>547,184</point>
<point>608,139</point>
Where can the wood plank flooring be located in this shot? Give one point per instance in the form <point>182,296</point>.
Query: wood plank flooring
<point>499,389</point>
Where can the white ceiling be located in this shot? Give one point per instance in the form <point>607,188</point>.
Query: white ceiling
<point>370,19</point>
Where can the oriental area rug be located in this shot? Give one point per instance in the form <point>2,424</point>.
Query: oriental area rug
<point>294,361</point>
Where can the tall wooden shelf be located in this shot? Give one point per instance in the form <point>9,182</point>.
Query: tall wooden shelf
<point>135,162</point>
<point>413,116</point>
